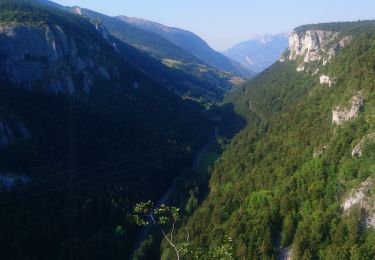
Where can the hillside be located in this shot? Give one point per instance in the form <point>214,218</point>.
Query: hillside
<point>191,43</point>
<point>259,53</point>
<point>104,120</point>
<point>298,179</point>
<point>84,135</point>
<point>162,50</point>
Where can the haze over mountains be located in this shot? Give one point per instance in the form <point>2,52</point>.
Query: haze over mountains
<point>191,43</point>
<point>259,53</point>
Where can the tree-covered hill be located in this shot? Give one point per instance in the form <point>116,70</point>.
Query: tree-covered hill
<point>191,43</point>
<point>175,58</point>
<point>283,180</point>
<point>196,81</point>
<point>74,160</point>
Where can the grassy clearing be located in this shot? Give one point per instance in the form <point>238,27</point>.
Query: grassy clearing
<point>209,158</point>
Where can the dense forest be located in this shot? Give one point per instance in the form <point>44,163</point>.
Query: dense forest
<point>85,159</point>
<point>283,179</point>
<point>266,171</point>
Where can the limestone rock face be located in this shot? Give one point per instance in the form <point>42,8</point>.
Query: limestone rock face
<point>314,45</point>
<point>9,131</point>
<point>6,134</point>
<point>357,150</point>
<point>324,79</point>
<point>8,181</point>
<point>301,67</point>
<point>77,10</point>
<point>309,44</point>
<point>362,197</point>
<point>48,56</point>
<point>340,116</point>
<point>319,152</point>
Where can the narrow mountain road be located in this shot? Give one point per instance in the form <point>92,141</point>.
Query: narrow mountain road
<point>283,253</point>
<point>205,148</point>
<point>143,233</point>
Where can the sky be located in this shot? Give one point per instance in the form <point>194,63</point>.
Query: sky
<point>224,23</point>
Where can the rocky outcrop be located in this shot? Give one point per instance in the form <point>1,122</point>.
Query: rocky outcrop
<point>10,180</point>
<point>319,152</point>
<point>362,197</point>
<point>77,10</point>
<point>309,44</point>
<point>6,134</point>
<point>358,149</point>
<point>339,116</point>
<point>324,79</point>
<point>314,45</point>
<point>315,72</point>
<point>301,67</point>
<point>10,131</point>
<point>48,56</point>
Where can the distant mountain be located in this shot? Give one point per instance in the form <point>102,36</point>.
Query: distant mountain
<point>259,53</point>
<point>151,45</point>
<point>159,59</point>
<point>191,43</point>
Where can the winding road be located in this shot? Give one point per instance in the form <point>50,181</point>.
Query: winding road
<point>143,233</point>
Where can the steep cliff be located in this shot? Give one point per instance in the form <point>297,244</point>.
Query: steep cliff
<point>159,58</point>
<point>52,55</point>
<point>69,148</point>
<point>314,46</point>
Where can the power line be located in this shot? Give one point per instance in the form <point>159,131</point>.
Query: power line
<point>104,165</point>
<point>102,175</point>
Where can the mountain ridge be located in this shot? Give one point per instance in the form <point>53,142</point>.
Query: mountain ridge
<point>293,181</point>
<point>260,52</point>
<point>74,161</point>
<point>191,43</point>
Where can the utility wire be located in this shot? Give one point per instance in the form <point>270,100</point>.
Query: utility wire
<point>107,164</point>
<point>95,178</point>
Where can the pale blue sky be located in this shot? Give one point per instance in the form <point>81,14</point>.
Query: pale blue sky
<point>223,23</point>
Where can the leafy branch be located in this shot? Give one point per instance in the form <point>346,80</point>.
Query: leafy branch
<point>164,216</point>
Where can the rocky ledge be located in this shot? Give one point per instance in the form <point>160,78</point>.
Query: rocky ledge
<point>339,116</point>
<point>47,55</point>
<point>358,149</point>
<point>314,45</point>
<point>324,79</point>
<point>362,197</point>
<point>9,131</point>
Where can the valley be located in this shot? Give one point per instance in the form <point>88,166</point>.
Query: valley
<point>125,138</point>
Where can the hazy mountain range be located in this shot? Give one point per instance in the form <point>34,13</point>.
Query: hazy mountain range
<point>191,43</point>
<point>260,52</point>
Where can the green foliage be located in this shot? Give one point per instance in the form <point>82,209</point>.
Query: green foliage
<point>192,78</point>
<point>120,230</point>
<point>342,27</point>
<point>90,157</point>
<point>268,182</point>
<point>145,214</point>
